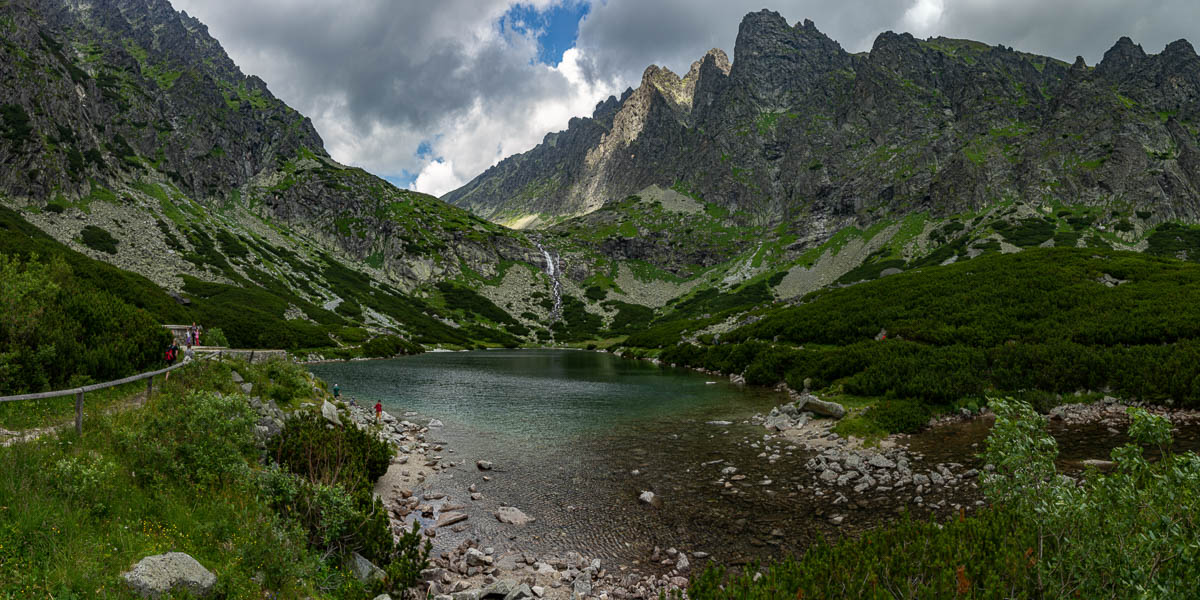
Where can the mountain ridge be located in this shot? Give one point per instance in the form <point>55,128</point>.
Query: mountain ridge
<point>799,126</point>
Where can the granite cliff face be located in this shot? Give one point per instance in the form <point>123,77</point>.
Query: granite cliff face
<point>801,133</point>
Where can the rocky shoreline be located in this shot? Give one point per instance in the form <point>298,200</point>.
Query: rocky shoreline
<point>474,560</point>
<point>467,568</point>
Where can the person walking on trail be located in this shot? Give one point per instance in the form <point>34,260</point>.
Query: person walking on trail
<point>337,392</point>
<point>378,411</point>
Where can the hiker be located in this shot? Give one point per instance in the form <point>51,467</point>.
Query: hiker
<point>378,411</point>
<point>337,391</point>
<point>170,354</point>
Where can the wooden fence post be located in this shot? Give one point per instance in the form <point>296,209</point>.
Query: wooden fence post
<point>79,412</point>
<point>149,387</point>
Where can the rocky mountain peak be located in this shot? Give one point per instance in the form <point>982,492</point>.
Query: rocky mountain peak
<point>674,89</point>
<point>776,63</point>
<point>1180,48</point>
<point>1123,58</point>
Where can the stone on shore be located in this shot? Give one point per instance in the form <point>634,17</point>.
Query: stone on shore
<point>436,423</point>
<point>811,403</point>
<point>156,576</point>
<point>513,516</point>
<point>329,411</point>
<point>450,518</point>
<point>483,465</point>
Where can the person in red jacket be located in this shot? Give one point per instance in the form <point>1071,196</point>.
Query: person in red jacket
<point>378,411</point>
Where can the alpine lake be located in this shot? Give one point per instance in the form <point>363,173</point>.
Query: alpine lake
<point>576,436</point>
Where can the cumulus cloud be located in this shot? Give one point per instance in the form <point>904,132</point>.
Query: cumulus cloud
<point>435,92</point>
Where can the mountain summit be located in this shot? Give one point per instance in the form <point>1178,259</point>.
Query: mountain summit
<point>798,127</point>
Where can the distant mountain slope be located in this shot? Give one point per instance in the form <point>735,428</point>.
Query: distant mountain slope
<point>799,132</point>
<point>127,134</point>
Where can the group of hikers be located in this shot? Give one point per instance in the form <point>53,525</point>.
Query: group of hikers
<point>337,393</point>
<point>191,338</point>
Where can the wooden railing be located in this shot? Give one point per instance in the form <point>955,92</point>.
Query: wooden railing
<point>80,391</point>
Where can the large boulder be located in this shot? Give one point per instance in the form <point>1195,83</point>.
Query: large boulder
<point>811,403</point>
<point>330,412</point>
<point>156,576</point>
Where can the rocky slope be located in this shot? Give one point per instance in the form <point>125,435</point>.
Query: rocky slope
<point>801,133</point>
<point>129,135</point>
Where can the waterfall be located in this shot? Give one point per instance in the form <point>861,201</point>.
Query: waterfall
<point>552,271</point>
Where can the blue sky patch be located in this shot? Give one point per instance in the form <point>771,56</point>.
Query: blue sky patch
<point>403,180</point>
<point>556,28</point>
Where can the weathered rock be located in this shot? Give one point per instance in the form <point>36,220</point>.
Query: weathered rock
<point>330,412</point>
<point>435,423</point>
<point>823,407</point>
<point>483,465</point>
<point>364,569</point>
<point>156,576</point>
<point>450,518</point>
<point>513,516</point>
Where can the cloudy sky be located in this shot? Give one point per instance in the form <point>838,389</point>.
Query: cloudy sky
<point>429,93</point>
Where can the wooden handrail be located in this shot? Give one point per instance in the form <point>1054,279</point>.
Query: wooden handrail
<point>90,388</point>
<point>80,391</point>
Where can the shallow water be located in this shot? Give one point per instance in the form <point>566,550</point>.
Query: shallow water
<point>565,429</point>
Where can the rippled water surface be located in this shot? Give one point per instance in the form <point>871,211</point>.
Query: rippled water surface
<point>566,429</point>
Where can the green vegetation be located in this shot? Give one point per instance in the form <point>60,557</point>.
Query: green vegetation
<point>1130,533</point>
<point>387,346</point>
<point>14,124</point>
<point>56,331</point>
<point>1038,320</point>
<point>182,474</point>
<point>98,239</point>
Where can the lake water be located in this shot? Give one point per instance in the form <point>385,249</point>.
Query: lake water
<point>566,429</point>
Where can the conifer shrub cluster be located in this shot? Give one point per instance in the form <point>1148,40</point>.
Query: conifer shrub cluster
<point>56,330</point>
<point>1050,320</point>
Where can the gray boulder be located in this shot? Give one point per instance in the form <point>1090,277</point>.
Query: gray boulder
<point>364,569</point>
<point>329,411</point>
<point>821,407</point>
<point>156,576</point>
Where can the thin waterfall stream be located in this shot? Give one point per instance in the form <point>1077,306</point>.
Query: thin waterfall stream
<point>556,285</point>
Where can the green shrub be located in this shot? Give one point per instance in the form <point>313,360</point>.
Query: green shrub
<point>202,437</point>
<point>283,381</point>
<point>345,456</point>
<point>595,293</point>
<point>86,480</point>
<point>411,557</point>
<point>98,239</point>
<point>215,337</point>
<point>903,416</point>
<point>386,346</point>
<point>337,520</point>
<point>14,124</point>
<point>56,329</point>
